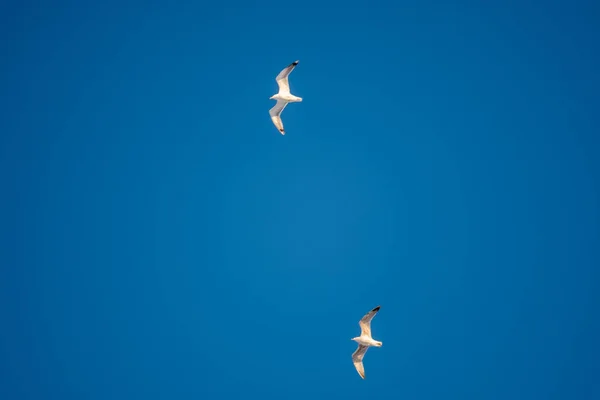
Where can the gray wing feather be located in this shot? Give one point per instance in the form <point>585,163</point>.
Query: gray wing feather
<point>357,358</point>
<point>282,77</point>
<point>275,114</point>
<point>365,322</point>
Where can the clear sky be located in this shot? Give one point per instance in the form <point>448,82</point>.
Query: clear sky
<point>159,239</point>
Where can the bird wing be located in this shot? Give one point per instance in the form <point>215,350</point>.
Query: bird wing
<point>282,78</point>
<point>275,113</point>
<point>357,358</point>
<point>365,322</point>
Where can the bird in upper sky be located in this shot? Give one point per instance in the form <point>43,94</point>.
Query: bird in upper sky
<point>364,341</point>
<point>283,97</point>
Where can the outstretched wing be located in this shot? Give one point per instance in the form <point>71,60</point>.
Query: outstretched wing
<point>275,113</point>
<point>357,358</point>
<point>365,322</point>
<point>282,78</point>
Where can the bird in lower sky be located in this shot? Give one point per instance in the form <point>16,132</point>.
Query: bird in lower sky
<point>364,341</point>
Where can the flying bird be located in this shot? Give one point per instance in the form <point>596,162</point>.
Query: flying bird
<point>283,97</point>
<point>364,341</point>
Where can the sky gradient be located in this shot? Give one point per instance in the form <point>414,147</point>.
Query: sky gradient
<point>159,239</point>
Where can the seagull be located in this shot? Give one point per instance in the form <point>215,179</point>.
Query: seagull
<point>283,97</point>
<point>364,341</point>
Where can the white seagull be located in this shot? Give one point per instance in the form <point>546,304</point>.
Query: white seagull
<point>364,341</point>
<point>283,97</point>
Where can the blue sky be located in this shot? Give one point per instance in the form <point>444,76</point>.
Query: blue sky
<point>156,229</point>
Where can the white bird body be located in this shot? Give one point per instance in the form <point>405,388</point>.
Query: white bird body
<point>283,97</point>
<point>364,341</point>
<point>367,341</point>
<point>287,97</point>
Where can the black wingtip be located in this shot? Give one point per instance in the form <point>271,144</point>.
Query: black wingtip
<point>296,62</point>
<point>376,308</point>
